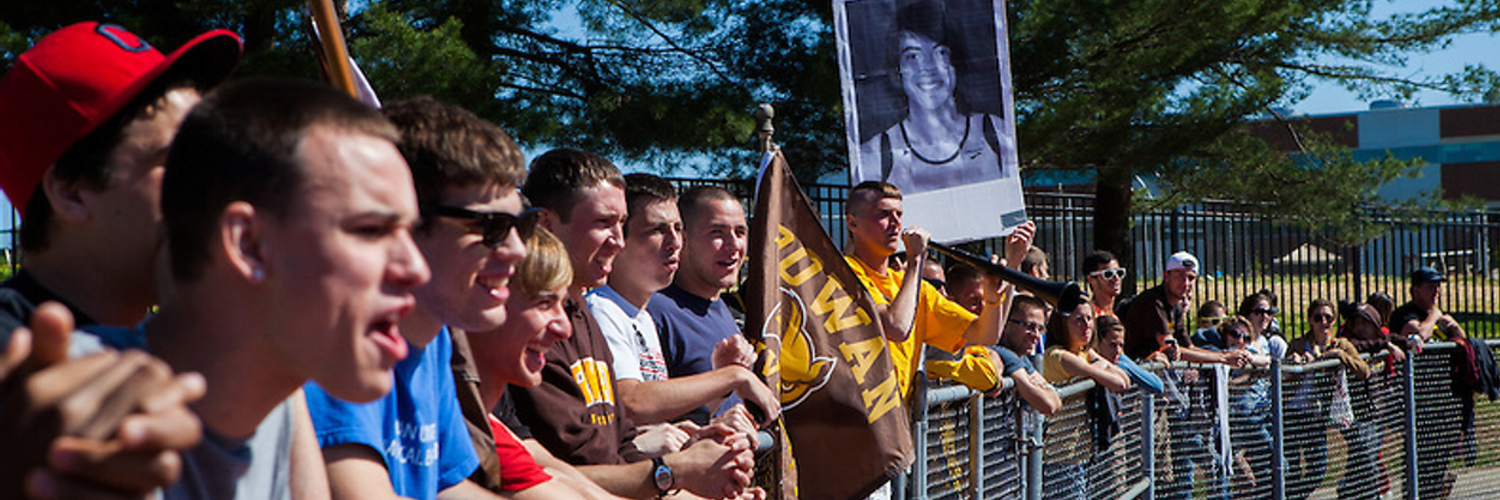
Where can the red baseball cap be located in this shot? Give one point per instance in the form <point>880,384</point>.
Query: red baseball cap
<point>75,79</point>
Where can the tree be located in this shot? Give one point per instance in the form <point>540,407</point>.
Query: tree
<point>1167,86</point>
<point>1122,87</point>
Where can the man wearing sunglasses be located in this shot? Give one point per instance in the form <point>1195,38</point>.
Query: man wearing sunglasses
<point>1105,278</point>
<point>1024,327</point>
<point>414,442</point>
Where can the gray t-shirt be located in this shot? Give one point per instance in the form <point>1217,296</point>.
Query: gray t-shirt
<point>258,468</point>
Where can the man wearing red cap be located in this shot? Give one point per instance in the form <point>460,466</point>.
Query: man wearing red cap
<point>86,116</point>
<point>85,120</point>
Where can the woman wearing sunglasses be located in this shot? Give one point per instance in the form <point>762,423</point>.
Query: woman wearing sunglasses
<point>1313,406</point>
<point>1249,411</point>
<point>1320,343</point>
<point>1258,310</point>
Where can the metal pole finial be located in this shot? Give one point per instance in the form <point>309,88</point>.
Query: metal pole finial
<point>764,113</point>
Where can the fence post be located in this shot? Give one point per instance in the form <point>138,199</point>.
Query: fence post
<point>976,446</point>
<point>1175,231</point>
<point>1034,455</point>
<point>1278,434</point>
<point>1409,390</point>
<point>918,475</point>
<point>1148,441</point>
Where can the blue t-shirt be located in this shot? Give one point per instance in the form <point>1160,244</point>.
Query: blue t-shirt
<point>1012,361</point>
<point>689,327</point>
<point>418,428</point>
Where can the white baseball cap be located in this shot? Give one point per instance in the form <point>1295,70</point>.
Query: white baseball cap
<point>1182,260</point>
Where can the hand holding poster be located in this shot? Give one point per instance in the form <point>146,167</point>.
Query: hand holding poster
<point>927,101</point>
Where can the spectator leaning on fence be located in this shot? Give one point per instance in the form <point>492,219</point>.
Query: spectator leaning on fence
<point>1024,327</point>
<point>1210,314</point>
<point>1362,328</point>
<point>515,353</point>
<point>1159,314</point>
<point>1109,342</point>
<point>1249,411</point>
<point>653,238</point>
<point>1070,332</point>
<point>1105,278</point>
<point>1319,342</point>
<point>1420,320</point>
<point>693,321</point>
<point>1259,311</point>
<point>288,213</point>
<point>1316,403</point>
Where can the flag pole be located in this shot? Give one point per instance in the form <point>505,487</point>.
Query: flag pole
<point>331,37</point>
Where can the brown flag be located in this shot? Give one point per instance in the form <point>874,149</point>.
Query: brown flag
<point>843,411</point>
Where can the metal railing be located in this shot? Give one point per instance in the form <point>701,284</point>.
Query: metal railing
<point>1284,432</point>
<point>1243,251</point>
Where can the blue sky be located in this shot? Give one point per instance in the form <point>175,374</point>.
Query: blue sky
<point>1481,48</point>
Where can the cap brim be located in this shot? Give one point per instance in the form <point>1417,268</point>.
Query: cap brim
<point>206,60</point>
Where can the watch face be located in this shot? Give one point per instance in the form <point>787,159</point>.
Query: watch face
<point>663,477</point>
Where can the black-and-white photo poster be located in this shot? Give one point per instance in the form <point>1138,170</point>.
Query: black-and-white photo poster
<point>927,103</point>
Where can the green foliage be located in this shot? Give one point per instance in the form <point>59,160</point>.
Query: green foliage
<point>1123,86</point>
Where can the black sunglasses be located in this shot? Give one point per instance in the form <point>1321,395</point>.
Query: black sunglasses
<point>494,227</point>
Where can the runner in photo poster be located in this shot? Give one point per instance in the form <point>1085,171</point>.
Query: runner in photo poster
<point>926,86</point>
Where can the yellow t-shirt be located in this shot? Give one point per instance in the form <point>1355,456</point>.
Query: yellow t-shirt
<point>1052,367</point>
<point>939,322</point>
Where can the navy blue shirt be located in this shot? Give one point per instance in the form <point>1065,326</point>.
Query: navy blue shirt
<point>689,327</point>
<point>1012,361</point>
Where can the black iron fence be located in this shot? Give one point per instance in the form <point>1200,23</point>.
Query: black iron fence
<point>1243,252</point>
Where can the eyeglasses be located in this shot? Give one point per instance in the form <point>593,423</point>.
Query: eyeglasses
<point>1322,318</point>
<point>1030,326</point>
<point>1265,310</point>
<point>494,227</point>
<point>1236,334</point>
<point>1213,321</point>
<point>1109,274</point>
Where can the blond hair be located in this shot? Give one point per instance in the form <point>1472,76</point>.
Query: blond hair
<point>545,267</point>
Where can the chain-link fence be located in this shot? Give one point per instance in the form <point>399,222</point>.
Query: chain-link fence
<point>1424,429</point>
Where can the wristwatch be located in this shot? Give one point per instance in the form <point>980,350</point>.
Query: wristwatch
<point>662,476</point>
